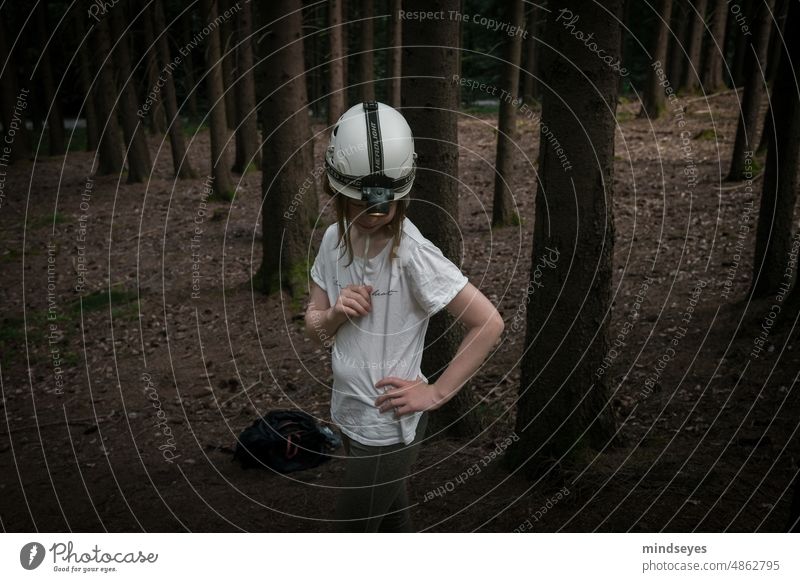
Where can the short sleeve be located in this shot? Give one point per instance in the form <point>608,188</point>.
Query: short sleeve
<point>434,279</point>
<point>318,270</point>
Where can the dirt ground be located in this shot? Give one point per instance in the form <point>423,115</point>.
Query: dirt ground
<point>89,388</point>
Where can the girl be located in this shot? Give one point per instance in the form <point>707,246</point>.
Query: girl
<point>375,283</point>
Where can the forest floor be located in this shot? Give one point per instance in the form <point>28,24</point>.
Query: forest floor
<point>712,447</point>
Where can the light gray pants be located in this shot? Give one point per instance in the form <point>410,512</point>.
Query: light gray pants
<point>373,497</point>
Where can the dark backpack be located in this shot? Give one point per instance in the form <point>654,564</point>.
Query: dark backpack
<point>285,441</point>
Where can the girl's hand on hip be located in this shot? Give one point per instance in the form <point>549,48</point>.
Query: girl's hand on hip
<point>406,396</point>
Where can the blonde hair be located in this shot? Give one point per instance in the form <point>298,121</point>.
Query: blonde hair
<point>395,226</point>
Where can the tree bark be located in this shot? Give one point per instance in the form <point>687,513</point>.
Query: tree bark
<point>139,161</point>
<point>742,42</point>
<point>773,58</point>
<point>57,144</point>
<point>430,105</point>
<point>775,217</point>
<point>530,85</point>
<point>109,152</point>
<point>755,63</point>
<point>156,115</point>
<point>180,161</point>
<point>336,79</point>
<point>395,54</point>
<point>285,153</point>
<point>653,96</point>
<point>366,66</point>
<point>503,211</point>
<point>14,103</point>
<point>220,170</point>
<point>227,56</point>
<point>678,41</point>
<point>188,65</point>
<point>691,74</point>
<point>563,410</point>
<point>715,49</point>
<point>85,79</point>
<point>248,154</point>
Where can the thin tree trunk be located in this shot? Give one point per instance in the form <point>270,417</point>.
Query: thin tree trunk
<point>529,83</point>
<point>336,64</point>
<point>188,65</point>
<point>503,212</point>
<point>742,40</point>
<point>14,103</point>
<point>366,66</point>
<point>653,96</point>
<point>395,53</point>
<point>109,152</point>
<point>715,49</point>
<point>180,161</point>
<point>756,54</point>
<point>226,44</point>
<point>430,106</point>
<point>155,115</point>
<point>55,120</point>
<point>247,146</point>
<point>220,170</point>
<point>773,58</point>
<point>85,78</point>
<point>346,10</point>
<point>563,408</point>
<point>139,164</point>
<point>775,217</point>
<point>691,74</point>
<point>285,225</point>
<point>678,41</point>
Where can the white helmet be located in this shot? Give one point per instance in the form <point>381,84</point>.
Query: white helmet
<point>371,155</point>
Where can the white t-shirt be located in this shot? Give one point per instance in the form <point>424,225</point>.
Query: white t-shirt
<point>389,340</point>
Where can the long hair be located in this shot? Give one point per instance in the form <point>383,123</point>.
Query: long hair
<point>341,205</point>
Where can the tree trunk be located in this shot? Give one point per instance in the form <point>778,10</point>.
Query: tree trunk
<point>742,41</point>
<point>430,106</point>
<point>773,58</point>
<point>775,217</point>
<point>14,103</point>
<point>180,161</point>
<point>715,49</point>
<point>691,74</point>
<point>366,67</point>
<point>220,170</point>
<point>530,85</point>
<point>679,41</point>
<point>346,45</point>
<point>653,96</point>
<point>336,78</point>
<point>139,164</point>
<point>55,121</point>
<point>503,211</point>
<point>156,116</point>
<point>755,62</point>
<point>285,224</point>
<point>109,152</point>
<point>85,77</point>
<point>226,45</point>
<point>563,410</point>
<point>188,65</point>
<point>395,54</point>
<point>247,146</point>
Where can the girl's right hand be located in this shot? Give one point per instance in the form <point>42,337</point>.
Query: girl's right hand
<point>353,301</point>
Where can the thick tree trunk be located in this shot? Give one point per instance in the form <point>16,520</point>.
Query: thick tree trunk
<point>563,409</point>
<point>773,58</point>
<point>248,153</point>
<point>742,41</point>
<point>503,207</point>
<point>109,152</point>
<point>691,74</point>
<point>180,161</point>
<point>653,96</point>
<point>285,153</point>
<point>755,59</point>
<point>156,116</point>
<point>430,106</point>
<point>220,170</point>
<point>395,54</point>
<point>336,80</point>
<point>55,121</point>
<point>14,104</point>
<point>678,41</point>
<point>530,85</point>
<point>366,66</point>
<point>139,161</point>
<point>85,78</point>
<point>775,217</point>
<point>714,59</point>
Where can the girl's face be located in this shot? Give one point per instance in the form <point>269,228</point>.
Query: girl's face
<point>356,213</point>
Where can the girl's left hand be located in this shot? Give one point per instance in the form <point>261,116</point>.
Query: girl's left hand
<point>407,396</point>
